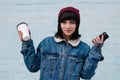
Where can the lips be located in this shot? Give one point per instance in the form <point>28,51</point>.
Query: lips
<point>68,30</point>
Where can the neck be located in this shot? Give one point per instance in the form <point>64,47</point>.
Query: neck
<point>67,38</point>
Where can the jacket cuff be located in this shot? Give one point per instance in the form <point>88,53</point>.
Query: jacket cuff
<point>26,44</point>
<point>96,54</point>
<point>97,57</point>
<point>98,45</point>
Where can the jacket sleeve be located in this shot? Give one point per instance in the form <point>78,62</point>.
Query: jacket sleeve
<point>31,59</point>
<point>91,62</point>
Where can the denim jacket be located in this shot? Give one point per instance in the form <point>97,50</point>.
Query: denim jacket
<point>60,60</point>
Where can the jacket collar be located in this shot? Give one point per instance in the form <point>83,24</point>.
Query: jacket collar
<point>74,43</point>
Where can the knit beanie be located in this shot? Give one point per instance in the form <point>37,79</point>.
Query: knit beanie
<point>72,9</point>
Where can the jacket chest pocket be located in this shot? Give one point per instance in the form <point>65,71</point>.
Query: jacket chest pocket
<point>49,61</point>
<point>75,64</point>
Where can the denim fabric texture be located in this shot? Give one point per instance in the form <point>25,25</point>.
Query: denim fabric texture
<point>61,60</point>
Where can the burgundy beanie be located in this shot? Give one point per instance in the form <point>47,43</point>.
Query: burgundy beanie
<point>72,9</point>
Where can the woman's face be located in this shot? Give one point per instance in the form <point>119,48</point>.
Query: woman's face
<point>68,28</point>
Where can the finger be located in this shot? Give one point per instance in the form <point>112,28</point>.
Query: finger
<point>102,38</point>
<point>98,39</point>
<point>94,39</point>
<point>20,35</point>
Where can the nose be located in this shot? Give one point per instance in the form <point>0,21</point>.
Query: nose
<point>68,25</point>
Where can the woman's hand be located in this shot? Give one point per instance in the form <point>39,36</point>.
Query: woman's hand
<point>98,42</point>
<point>97,39</point>
<point>20,34</point>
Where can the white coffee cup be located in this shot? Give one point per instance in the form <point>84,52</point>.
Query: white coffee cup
<point>23,27</point>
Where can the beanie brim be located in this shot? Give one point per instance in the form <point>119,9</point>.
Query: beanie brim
<point>72,9</point>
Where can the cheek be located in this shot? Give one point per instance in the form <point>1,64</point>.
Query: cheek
<point>74,28</point>
<point>62,27</point>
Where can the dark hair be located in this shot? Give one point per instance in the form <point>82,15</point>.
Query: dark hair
<point>68,15</point>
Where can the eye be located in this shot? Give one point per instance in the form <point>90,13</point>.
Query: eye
<point>72,22</point>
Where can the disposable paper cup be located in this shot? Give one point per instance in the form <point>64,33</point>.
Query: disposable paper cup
<point>23,27</point>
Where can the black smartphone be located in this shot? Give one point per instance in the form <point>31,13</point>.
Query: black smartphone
<point>105,35</point>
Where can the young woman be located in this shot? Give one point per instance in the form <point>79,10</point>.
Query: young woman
<point>63,56</point>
